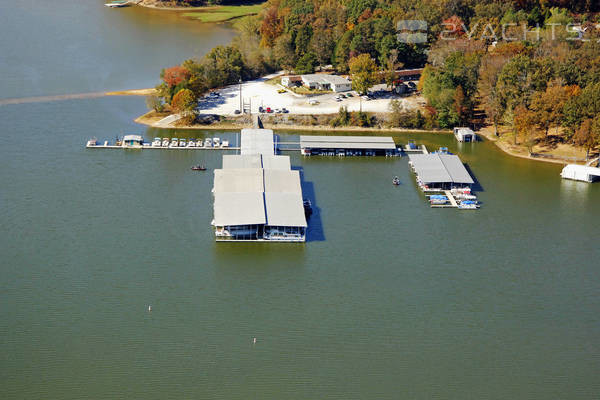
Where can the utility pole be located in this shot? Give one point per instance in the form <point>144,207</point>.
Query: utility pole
<point>241,109</point>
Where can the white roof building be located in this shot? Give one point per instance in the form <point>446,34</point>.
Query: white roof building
<point>464,134</point>
<point>326,82</point>
<point>582,173</point>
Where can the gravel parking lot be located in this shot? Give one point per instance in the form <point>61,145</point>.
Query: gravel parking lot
<point>262,94</point>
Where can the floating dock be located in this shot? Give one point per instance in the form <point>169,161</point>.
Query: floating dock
<point>137,142</point>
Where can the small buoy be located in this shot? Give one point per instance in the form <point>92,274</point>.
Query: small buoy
<point>254,341</point>
<point>149,308</point>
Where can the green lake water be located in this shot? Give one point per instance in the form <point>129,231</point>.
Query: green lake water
<point>389,299</point>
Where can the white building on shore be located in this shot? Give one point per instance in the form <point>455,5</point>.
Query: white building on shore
<point>326,82</point>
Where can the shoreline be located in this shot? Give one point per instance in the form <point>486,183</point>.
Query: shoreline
<point>488,135</point>
<point>132,92</point>
<point>149,121</point>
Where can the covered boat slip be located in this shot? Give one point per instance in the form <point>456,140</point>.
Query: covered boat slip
<point>258,197</point>
<point>584,173</point>
<point>439,171</point>
<point>347,145</point>
<point>258,204</point>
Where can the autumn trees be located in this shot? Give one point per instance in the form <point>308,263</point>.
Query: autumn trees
<point>364,73</point>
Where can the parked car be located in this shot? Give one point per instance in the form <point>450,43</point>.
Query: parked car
<point>281,91</point>
<point>285,110</point>
<point>366,98</point>
<point>313,102</point>
<point>349,94</point>
<point>214,94</point>
<point>261,109</point>
<point>269,110</point>
<point>237,112</point>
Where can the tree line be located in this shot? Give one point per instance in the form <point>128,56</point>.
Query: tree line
<point>539,83</point>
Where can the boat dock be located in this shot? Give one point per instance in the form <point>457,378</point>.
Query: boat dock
<point>444,173</point>
<point>137,142</point>
<point>408,149</point>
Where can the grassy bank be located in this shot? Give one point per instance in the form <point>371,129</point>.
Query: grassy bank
<point>223,13</point>
<point>555,153</point>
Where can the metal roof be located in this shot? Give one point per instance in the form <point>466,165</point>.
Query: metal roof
<point>256,181</point>
<point>440,168</point>
<point>348,142</point>
<point>276,162</point>
<point>325,78</point>
<point>241,161</point>
<point>257,141</point>
<point>281,181</point>
<point>349,139</point>
<point>238,180</point>
<point>239,209</point>
<point>285,209</point>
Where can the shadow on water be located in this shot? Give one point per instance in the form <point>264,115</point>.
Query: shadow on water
<point>476,185</point>
<point>314,232</point>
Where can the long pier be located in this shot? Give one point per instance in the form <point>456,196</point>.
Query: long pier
<point>149,146</point>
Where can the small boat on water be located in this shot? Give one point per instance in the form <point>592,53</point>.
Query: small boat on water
<point>225,143</point>
<point>117,3</point>
<point>468,205</point>
<point>92,142</point>
<point>307,207</point>
<point>217,142</point>
<point>396,181</point>
<point>165,142</point>
<point>156,142</point>
<point>208,142</point>
<point>199,168</point>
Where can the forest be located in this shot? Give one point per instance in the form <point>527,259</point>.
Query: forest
<point>530,66</point>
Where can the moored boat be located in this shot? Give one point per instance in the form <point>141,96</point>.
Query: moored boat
<point>199,168</point>
<point>396,181</point>
<point>117,3</point>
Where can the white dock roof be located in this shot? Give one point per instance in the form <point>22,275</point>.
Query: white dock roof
<point>239,180</point>
<point>257,187</point>
<point>241,161</point>
<point>285,209</point>
<point>440,168</point>
<point>257,141</point>
<point>281,181</point>
<point>239,209</point>
<point>276,162</point>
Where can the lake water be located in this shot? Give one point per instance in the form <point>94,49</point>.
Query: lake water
<point>389,299</point>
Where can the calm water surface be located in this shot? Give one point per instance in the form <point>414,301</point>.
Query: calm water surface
<point>389,299</point>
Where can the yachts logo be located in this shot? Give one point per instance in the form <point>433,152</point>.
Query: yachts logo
<point>412,31</point>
